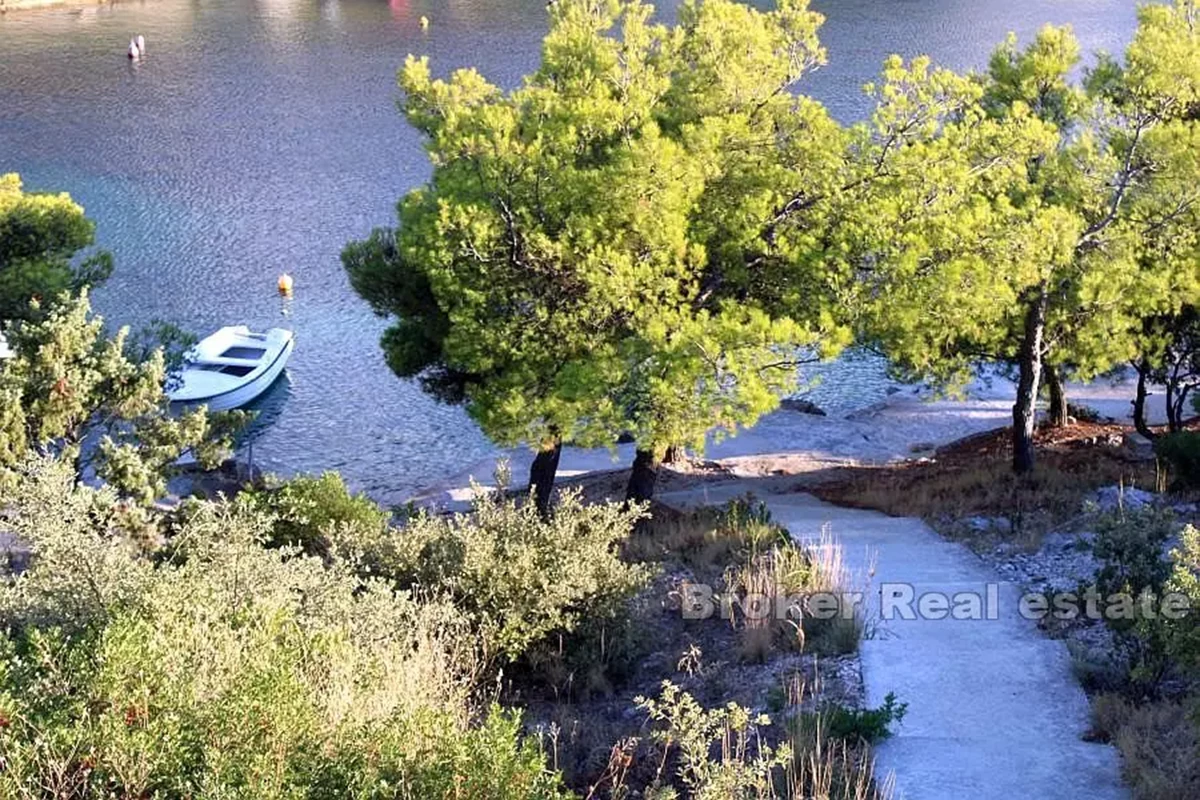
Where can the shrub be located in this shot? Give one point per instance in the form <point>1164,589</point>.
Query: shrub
<point>520,578</point>
<point>223,669</point>
<point>707,536</point>
<point>746,765</point>
<point>1181,450</point>
<point>309,510</point>
<point>1129,545</point>
<point>1183,637</point>
<point>1084,413</point>
<point>832,746</point>
<point>721,753</point>
<point>863,725</point>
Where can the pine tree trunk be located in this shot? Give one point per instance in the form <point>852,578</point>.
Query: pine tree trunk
<point>1029,363</point>
<point>643,476</point>
<point>541,475</point>
<point>1058,396</point>
<point>1172,420</point>
<point>1181,406</point>
<point>1139,401</point>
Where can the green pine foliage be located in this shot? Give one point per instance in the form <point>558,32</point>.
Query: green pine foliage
<point>601,249</point>
<point>1030,218</point>
<point>40,236</point>
<point>69,381</point>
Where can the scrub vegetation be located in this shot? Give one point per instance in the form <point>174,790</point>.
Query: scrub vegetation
<point>649,237</point>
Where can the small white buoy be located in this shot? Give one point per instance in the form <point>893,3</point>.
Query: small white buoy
<point>285,285</point>
<point>141,43</point>
<point>424,22</point>
<point>134,53</point>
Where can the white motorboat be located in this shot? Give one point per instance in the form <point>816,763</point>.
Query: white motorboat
<point>232,367</point>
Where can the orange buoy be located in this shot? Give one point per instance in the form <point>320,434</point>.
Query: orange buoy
<point>285,284</point>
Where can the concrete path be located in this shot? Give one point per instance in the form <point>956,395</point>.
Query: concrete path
<point>994,712</point>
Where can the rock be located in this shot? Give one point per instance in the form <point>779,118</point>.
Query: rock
<point>14,555</point>
<point>1085,413</point>
<point>988,524</point>
<point>1110,497</point>
<point>1138,447</point>
<point>801,406</point>
<point>866,412</point>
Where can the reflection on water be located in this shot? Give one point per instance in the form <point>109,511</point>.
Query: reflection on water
<point>257,137</point>
<point>267,409</point>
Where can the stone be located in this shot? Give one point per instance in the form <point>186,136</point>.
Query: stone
<point>801,406</point>
<point>988,524</point>
<point>14,555</point>
<point>1110,497</point>
<point>1138,447</point>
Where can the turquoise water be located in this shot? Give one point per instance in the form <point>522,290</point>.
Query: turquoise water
<point>258,137</point>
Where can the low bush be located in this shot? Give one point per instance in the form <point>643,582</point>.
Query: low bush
<point>729,752</point>
<point>1181,451</point>
<point>708,536</point>
<point>1183,635</point>
<point>522,580</point>
<point>1084,413</point>
<point>1129,545</point>
<point>863,725</point>
<point>309,511</point>
<point>745,764</point>
<point>220,668</point>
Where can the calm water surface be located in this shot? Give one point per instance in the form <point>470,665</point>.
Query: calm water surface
<point>258,137</point>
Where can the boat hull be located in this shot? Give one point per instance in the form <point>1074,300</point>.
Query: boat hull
<point>247,392</point>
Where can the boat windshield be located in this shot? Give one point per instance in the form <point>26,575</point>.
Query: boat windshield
<point>248,353</point>
<point>236,370</point>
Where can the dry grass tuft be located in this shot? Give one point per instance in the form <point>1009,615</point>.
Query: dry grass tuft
<point>794,597</point>
<point>827,767</point>
<point>974,478</point>
<point>706,537</point>
<point>1159,744</point>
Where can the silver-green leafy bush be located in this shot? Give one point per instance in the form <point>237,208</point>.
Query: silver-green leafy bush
<point>218,668</point>
<point>520,578</point>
